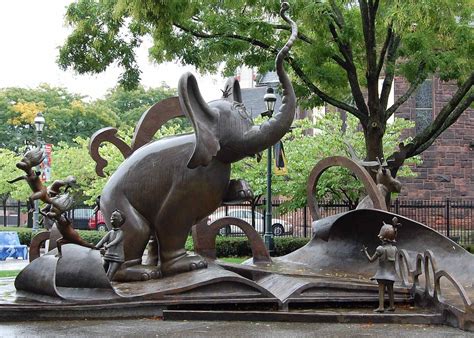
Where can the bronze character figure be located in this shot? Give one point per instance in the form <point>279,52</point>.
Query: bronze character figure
<point>386,273</point>
<point>112,242</point>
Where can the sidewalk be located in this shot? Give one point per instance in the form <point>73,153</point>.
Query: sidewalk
<point>13,264</point>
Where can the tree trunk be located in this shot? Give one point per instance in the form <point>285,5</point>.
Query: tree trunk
<point>373,134</point>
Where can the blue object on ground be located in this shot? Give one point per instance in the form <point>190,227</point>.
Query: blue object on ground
<point>10,246</point>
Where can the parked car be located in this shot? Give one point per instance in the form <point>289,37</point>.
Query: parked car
<point>279,226</point>
<point>97,222</point>
<point>80,217</point>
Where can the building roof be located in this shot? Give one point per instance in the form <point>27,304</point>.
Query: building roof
<point>268,79</point>
<point>252,98</point>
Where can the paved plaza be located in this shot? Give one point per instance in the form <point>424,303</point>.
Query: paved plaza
<point>159,328</point>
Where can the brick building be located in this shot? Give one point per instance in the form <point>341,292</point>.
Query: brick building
<point>447,169</point>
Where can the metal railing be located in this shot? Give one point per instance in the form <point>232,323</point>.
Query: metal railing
<point>453,218</point>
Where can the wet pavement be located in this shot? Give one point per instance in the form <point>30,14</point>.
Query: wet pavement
<point>13,264</point>
<point>159,328</point>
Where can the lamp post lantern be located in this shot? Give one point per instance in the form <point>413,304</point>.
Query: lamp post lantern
<point>39,125</point>
<point>270,100</point>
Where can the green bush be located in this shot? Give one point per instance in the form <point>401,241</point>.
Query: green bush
<point>91,236</point>
<point>240,247</point>
<point>469,248</point>
<point>285,245</point>
<point>25,234</point>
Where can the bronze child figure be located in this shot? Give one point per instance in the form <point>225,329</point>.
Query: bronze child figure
<point>112,242</point>
<point>56,212</point>
<point>31,159</point>
<point>386,273</point>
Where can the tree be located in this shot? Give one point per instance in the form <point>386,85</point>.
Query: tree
<point>8,171</point>
<point>129,105</point>
<point>344,47</point>
<point>303,151</point>
<point>67,116</point>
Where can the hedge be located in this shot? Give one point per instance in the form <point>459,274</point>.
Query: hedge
<point>239,246</point>
<point>25,234</point>
<point>225,246</point>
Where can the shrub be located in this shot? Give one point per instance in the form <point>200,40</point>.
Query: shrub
<point>285,245</point>
<point>240,247</point>
<point>26,234</point>
<point>469,248</point>
<point>91,236</point>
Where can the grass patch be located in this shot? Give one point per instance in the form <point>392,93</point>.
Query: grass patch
<point>236,260</point>
<point>9,273</point>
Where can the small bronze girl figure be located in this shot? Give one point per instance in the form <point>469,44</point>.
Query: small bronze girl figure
<point>386,273</point>
<point>113,245</point>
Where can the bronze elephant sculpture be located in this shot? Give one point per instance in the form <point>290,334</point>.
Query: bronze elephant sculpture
<point>166,186</point>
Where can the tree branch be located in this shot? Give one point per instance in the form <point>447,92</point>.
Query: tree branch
<point>390,70</point>
<point>460,101</point>
<point>252,41</point>
<point>336,15</point>
<point>300,36</point>
<point>402,99</point>
<point>326,98</point>
<point>350,69</point>
<point>452,118</point>
<point>340,62</point>
<point>368,13</point>
<point>383,51</point>
<point>295,67</point>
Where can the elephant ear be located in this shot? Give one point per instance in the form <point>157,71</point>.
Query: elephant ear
<point>203,118</point>
<point>232,92</point>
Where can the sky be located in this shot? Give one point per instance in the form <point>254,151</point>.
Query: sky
<point>31,32</point>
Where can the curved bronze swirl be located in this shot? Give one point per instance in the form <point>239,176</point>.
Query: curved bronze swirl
<point>107,134</point>
<point>149,123</point>
<point>354,167</point>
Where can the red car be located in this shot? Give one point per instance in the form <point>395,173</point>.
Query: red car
<point>97,222</point>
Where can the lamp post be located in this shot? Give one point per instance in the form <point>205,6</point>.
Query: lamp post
<point>39,125</point>
<point>270,100</point>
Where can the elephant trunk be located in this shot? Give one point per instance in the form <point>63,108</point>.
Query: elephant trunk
<point>267,134</point>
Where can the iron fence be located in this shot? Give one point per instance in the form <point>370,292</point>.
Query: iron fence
<point>453,218</point>
<point>14,214</point>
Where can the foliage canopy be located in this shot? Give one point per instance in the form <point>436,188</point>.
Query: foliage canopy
<point>343,48</point>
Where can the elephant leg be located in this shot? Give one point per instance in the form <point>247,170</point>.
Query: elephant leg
<point>174,258</point>
<point>153,251</point>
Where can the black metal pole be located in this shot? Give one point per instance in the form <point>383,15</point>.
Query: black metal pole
<point>268,237</point>
<point>305,215</point>
<point>18,211</point>
<point>36,202</point>
<point>5,218</point>
<point>447,218</point>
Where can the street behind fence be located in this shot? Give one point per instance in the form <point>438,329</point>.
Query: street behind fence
<point>453,218</point>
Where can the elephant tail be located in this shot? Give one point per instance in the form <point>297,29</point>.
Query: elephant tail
<point>108,134</point>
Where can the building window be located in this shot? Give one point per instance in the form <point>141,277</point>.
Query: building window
<point>424,106</point>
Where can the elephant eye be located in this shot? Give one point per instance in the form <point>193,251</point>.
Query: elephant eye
<point>244,114</point>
